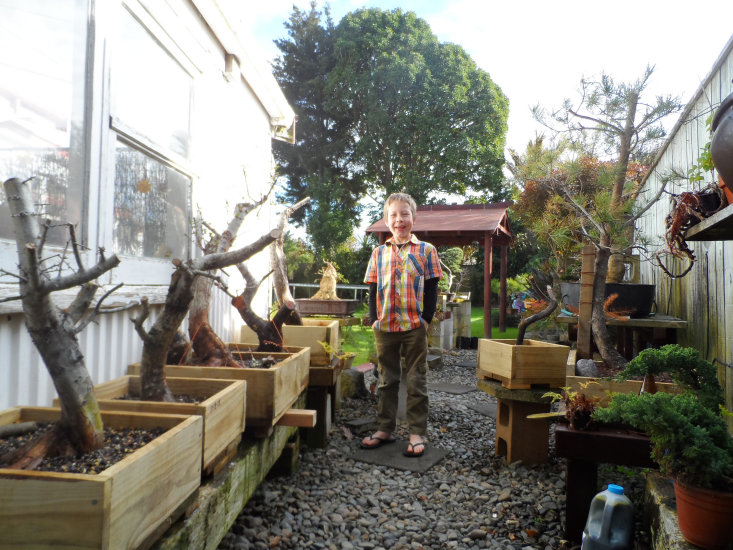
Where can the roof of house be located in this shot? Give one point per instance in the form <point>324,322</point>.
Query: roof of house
<point>458,224</point>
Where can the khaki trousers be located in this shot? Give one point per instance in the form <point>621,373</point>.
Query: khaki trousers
<point>391,346</point>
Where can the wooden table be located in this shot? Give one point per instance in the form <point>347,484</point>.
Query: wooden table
<point>635,335</point>
<point>517,437</point>
<point>584,450</point>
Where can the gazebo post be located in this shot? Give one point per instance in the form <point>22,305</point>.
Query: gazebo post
<point>488,260</point>
<point>502,289</point>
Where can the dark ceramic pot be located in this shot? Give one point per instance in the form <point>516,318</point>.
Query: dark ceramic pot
<point>637,299</point>
<point>721,145</point>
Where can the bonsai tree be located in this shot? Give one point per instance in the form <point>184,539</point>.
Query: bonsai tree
<point>589,199</point>
<point>54,329</point>
<point>544,296</point>
<point>684,365</point>
<point>157,340</point>
<point>208,348</point>
<point>690,441</point>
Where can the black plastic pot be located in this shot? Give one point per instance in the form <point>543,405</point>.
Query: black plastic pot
<point>721,145</point>
<point>636,298</point>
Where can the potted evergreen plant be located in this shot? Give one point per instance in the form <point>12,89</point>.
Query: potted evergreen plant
<point>691,444</point>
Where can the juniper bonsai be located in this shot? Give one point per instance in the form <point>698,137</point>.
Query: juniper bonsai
<point>684,365</point>
<point>690,440</point>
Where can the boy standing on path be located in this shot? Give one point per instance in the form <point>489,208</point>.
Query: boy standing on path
<point>403,277</point>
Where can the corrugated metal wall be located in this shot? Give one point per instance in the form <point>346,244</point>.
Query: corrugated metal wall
<point>704,297</point>
<point>108,347</point>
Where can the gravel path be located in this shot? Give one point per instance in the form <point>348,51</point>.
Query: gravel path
<point>470,499</point>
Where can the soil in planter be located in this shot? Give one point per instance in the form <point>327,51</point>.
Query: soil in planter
<point>606,371</point>
<point>118,443</point>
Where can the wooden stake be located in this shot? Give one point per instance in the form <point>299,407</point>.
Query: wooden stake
<point>585,305</point>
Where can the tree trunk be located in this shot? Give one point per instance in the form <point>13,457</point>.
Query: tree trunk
<point>269,331</point>
<point>598,318</point>
<point>208,348</point>
<point>53,331</point>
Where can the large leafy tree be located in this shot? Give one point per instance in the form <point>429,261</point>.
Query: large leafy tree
<point>384,107</point>
<point>425,119</point>
<point>317,165</point>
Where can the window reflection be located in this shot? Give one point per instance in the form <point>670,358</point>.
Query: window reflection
<point>151,92</point>
<point>151,206</point>
<point>41,106</point>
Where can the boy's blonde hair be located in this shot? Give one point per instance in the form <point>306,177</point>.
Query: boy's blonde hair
<point>401,197</point>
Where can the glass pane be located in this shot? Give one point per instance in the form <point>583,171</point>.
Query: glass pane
<point>151,206</point>
<point>151,93</point>
<point>42,53</point>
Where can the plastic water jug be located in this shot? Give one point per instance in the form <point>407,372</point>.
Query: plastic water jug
<point>610,524</point>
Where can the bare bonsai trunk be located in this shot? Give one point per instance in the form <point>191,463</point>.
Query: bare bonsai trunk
<point>280,282</point>
<point>53,331</point>
<point>269,331</point>
<point>598,318</point>
<point>549,297</point>
<point>208,348</point>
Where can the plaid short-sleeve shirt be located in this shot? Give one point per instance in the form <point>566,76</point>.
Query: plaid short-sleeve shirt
<point>400,274</point>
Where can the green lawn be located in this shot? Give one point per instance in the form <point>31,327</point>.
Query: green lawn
<point>360,340</point>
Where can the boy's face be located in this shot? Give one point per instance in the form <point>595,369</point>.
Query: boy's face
<point>400,221</point>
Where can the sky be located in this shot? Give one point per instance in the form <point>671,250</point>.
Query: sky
<point>537,51</point>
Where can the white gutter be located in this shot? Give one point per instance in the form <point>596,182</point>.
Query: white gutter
<point>221,15</point>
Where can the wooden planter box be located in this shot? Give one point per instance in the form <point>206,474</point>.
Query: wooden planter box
<point>602,386</point>
<point>128,505</point>
<point>270,392</point>
<point>306,335</point>
<point>534,363</point>
<point>221,405</point>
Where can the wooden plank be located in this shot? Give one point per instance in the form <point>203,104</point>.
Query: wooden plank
<point>222,405</point>
<point>118,508</point>
<point>299,418</point>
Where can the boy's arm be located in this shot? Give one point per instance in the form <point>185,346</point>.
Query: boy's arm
<point>372,302</point>
<point>430,299</point>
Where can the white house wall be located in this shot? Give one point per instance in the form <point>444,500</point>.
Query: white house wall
<point>232,121</point>
<point>704,297</point>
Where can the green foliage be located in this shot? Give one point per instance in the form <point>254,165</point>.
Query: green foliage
<point>414,100</point>
<point>299,258</point>
<point>684,365</point>
<point>690,441</point>
<point>452,257</point>
<point>317,165</point>
<point>704,165</point>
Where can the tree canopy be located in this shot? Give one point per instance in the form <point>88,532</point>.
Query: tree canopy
<point>384,107</point>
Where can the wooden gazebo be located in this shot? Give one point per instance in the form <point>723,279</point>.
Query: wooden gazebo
<point>462,225</point>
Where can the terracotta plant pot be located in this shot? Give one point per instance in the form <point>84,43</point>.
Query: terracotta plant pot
<point>704,516</point>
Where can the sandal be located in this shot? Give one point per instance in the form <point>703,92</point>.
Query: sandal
<point>379,442</point>
<point>411,452</point>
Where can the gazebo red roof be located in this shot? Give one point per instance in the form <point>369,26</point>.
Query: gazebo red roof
<point>457,224</point>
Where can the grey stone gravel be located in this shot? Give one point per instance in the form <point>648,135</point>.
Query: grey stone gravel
<point>469,500</point>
